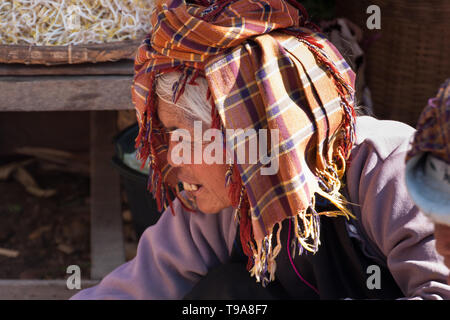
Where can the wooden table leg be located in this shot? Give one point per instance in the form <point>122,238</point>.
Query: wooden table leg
<point>107,243</point>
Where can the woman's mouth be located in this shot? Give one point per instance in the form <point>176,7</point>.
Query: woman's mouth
<point>190,186</point>
<point>189,197</point>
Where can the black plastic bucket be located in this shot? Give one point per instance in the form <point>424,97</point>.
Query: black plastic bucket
<point>142,205</point>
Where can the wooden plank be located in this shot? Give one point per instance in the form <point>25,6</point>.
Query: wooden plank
<point>107,243</point>
<point>71,54</point>
<point>39,289</point>
<point>63,93</point>
<point>122,67</point>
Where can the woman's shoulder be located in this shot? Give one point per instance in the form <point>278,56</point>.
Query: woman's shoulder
<point>385,137</point>
<point>374,178</point>
<point>389,221</point>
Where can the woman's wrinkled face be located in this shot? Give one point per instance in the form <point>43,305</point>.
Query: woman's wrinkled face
<point>204,183</point>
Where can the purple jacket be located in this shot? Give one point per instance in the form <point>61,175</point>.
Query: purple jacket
<point>176,252</point>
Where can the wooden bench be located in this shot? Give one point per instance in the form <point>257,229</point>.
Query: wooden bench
<point>99,89</point>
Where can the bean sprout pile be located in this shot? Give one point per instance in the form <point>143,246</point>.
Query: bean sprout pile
<point>64,22</point>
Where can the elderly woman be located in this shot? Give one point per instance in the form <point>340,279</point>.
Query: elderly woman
<point>321,213</point>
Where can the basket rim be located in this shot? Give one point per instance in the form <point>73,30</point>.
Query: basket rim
<point>74,46</point>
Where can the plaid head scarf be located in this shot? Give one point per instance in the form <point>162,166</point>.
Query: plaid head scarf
<point>267,67</point>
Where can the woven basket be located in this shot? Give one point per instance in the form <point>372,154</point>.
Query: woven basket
<point>70,54</point>
<point>410,59</point>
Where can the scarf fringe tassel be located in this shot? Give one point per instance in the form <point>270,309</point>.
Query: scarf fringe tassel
<point>306,226</point>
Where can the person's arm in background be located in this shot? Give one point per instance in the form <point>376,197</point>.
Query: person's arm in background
<point>391,221</point>
<point>442,234</point>
<point>171,257</point>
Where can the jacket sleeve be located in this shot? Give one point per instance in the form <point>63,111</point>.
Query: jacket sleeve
<point>393,224</point>
<point>172,256</point>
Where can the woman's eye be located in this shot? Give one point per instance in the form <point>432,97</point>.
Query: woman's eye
<point>171,129</point>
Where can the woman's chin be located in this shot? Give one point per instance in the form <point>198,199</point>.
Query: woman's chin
<point>208,209</point>
<point>207,201</point>
<point>209,206</point>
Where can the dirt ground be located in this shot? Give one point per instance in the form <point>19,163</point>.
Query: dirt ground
<point>50,233</point>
